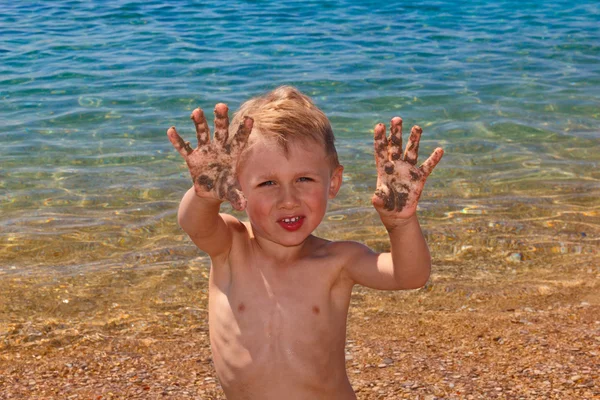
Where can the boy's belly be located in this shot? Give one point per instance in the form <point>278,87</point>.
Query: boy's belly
<point>278,349</point>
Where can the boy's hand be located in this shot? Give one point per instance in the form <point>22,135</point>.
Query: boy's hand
<point>399,181</point>
<point>212,164</point>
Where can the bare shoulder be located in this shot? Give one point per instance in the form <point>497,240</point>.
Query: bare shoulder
<point>341,258</point>
<point>234,224</point>
<point>348,249</point>
<point>346,253</point>
<point>241,231</point>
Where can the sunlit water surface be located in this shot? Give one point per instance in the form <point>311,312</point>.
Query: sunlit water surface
<point>510,89</point>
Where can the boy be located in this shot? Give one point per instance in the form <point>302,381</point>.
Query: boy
<point>279,296</point>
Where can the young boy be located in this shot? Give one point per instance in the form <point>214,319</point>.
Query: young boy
<point>279,296</point>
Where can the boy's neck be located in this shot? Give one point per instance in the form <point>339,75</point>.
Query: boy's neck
<point>283,255</point>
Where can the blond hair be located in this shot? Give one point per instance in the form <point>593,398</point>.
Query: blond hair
<point>286,115</point>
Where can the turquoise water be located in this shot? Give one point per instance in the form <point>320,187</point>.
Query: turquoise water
<point>510,89</point>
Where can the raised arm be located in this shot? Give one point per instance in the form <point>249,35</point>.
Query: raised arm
<point>212,167</point>
<point>399,187</point>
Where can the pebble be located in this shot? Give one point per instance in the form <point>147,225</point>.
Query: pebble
<point>514,257</point>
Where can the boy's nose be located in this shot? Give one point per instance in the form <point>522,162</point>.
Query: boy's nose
<point>288,198</point>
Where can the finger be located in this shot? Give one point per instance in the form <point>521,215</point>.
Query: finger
<point>412,147</point>
<point>230,190</point>
<point>180,145</point>
<point>221,124</point>
<point>432,161</point>
<point>202,130</point>
<point>380,144</point>
<point>241,137</point>
<point>395,143</point>
<point>237,199</point>
<point>379,198</point>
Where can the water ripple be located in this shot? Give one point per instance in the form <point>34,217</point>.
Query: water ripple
<point>509,88</point>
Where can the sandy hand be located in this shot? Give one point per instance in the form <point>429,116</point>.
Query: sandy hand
<point>399,181</point>
<point>212,164</point>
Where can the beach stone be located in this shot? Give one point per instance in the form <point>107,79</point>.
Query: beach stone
<point>514,257</point>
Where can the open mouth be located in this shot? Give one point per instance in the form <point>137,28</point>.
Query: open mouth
<point>291,223</point>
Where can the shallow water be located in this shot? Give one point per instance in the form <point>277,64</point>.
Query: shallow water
<point>510,89</point>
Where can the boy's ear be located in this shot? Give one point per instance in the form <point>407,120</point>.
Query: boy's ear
<point>336,181</point>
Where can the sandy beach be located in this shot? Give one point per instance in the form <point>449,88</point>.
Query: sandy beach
<point>513,330</point>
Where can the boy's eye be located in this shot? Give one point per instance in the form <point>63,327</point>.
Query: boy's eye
<point>305,179</point>
<point>266,183</point>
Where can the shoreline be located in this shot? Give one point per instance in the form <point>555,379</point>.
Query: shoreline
<point>477,330</point>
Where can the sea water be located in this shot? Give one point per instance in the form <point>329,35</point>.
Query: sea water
<point>510,89</point>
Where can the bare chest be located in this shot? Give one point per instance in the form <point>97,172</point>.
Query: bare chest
<point>280,318</point>
<point>275,302</point>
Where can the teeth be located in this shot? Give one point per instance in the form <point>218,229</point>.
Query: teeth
<point>288,220</point>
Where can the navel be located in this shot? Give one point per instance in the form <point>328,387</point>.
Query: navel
<point>316,310</point>
<point>241,307</point>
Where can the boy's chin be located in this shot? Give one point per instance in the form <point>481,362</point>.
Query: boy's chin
<point>293,243</point>
<point>289,240</point>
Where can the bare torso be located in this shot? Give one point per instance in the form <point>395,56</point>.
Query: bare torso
<point>278,331</point>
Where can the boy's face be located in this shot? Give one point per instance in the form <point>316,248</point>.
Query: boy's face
<point>287,195</point>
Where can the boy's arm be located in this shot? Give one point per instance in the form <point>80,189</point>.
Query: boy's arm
<point>399,186</point>
<point>200,219</point>
<point>212,167</point>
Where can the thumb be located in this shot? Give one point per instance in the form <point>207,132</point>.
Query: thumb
<point>378,198</point>
<point>377,201</point>
<point>237,199</point>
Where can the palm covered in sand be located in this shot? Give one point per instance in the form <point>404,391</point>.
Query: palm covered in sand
<point>212,164</point>
<point>399,181</point>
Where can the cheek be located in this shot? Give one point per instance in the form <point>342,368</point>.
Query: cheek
<point>317,197</point>
<point>258,204</point>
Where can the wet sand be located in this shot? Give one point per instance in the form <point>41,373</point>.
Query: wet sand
<point>484,327</point>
